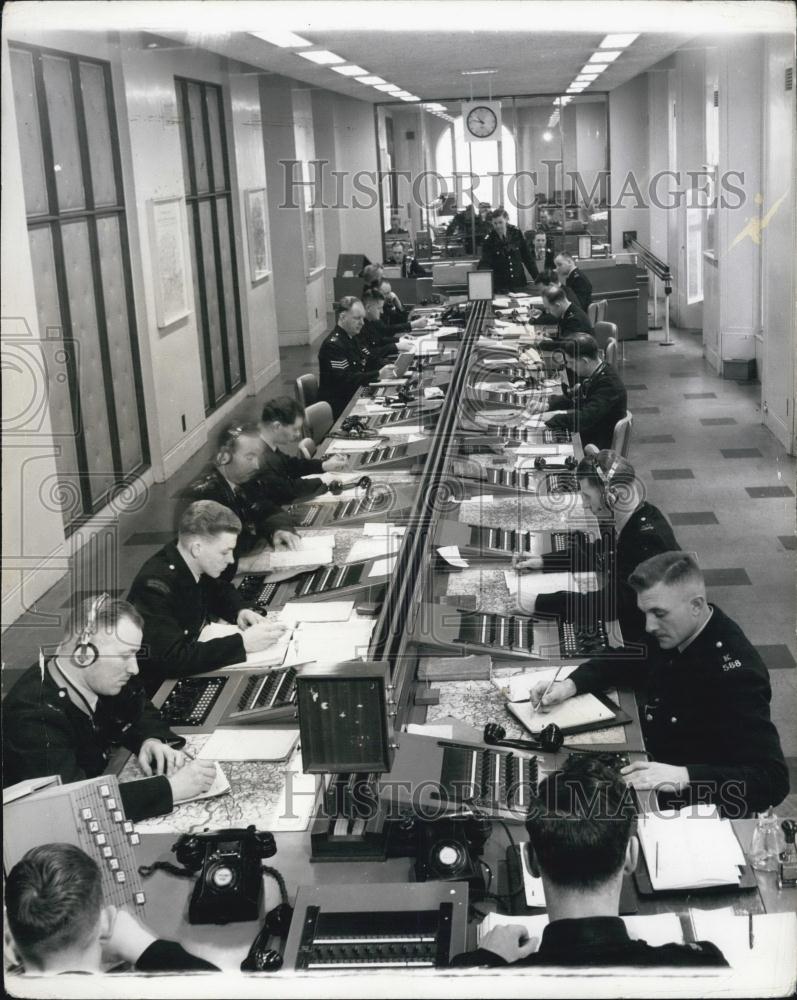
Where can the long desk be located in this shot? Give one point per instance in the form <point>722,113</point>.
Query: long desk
<point>419,579</point>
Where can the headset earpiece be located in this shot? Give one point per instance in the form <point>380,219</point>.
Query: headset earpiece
<point>610,495</point>
<point>86,652</point>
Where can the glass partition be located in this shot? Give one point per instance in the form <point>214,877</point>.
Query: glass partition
<point>545,162</point>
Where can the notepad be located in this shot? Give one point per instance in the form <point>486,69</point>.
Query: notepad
<point>270,657</point>
<point>656,929</point>
<point>687,851</point>
<point>250,744</point>
<point>581,711</point>
<point>220,786</point>
<point>518,686</point>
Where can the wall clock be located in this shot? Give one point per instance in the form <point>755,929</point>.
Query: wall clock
<point>481,121</point>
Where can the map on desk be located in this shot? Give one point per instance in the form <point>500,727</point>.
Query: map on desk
<point>273,796</point>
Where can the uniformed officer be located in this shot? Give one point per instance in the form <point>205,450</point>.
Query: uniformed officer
<point>577,284</point>
<point>343,364</point>
<point>581,843</point>
<point>65,713</point>
<point>569,317</point>
<point>706,720</point>
<point>178,592</point>
<point>597,401</point>
<point>631,531</point>
<point>471,227</point>
<point>410,268</point>
<point>543,257</point>
<point>505,252</point>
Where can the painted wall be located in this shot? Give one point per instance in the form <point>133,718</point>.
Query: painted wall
<point>629,154</point>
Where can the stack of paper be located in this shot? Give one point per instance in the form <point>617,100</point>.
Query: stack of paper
<point>689,849</point>
<point>581,710</point>
<point>319,643</point>
<point>656,929</point>
<point>248,743</point>
<point>271,657</point>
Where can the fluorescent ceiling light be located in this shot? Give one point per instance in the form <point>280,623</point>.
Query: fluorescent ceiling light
<point>349,70</point>
<point>409,97</point>
<point>371,81</point>
<point>388,88</point>
<point>618,41</point>
<point>595,68</point>
<point>478,72</point>
<point>589,77</point>
<point>604,56</point>
<point>435,107</point>
<point>579,86</point>
<point>580,79</point>
<point>321,56</point>
<point>285,39</point>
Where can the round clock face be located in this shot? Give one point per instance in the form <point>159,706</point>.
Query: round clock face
<point>481,122</point>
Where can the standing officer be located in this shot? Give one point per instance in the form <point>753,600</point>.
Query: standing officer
<point>543,257</point>
<point>505,252</point>
<point>343,363</point>
<point>706,720</point>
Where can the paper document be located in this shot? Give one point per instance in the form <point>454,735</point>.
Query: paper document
<point>317,642</point>
<point>401,430</point>
<point>451,555</point>
<point>270,657</point>
<point>220,786</point>
<point>684,851</point>
<point>320,555</point>
<point>581,710</point>
<point>348,445</point>
<point>374,548</point>
<point>383,567</point>
<point>250,744</point>
<point>433,392</point>
<point>376,529</point>
<point>774,937</point>
<point>518,686</point>
<point>321,611</point>
<point>440,732</point>
<point>502,302</point>
<point>526,587</point>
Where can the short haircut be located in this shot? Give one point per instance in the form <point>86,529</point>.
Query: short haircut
<point>346,304</point>
<point>595,469</point>
<point>371,273</point>
<point>671,568</point>
<point>565,256</point>
<point>206,519</point>
<point>581,823</point>
<point>53,900</point>
<point>397,243</point>
<point>372,295</point>
<point>554,294</point>
<point>107,615</point>
<point>229,434</point>
<point>284,410</point>
<point>581,346</point>
<point>500,213</point>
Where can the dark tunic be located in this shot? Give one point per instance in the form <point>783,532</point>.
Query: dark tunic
<point>343,366</point>
<point>579,288</point>
<point>593,408</point>
<point>281,476</point>
<point>505,257</point>
<point>706,709</point>
<point>45,733</point>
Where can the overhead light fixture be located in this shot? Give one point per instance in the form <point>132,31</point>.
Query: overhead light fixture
<point>595,68</point>
<point>435,107</point>
<point>581,86</point>
<point>478,72</point>
<point>285,39</point>
<point>604,56</point>
<point>323,57</point>
<point>371,81</point>
<point>587,77</point>
<point>547,136</point>
<point>409,97</point>
<point>349,70</point>
<point>618,41</point>
<point>388,88</point>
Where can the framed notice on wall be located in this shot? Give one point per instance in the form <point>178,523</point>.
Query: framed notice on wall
<point>168,260</point>
<point>257,234</point>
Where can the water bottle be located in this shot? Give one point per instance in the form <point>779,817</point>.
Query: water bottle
<point>768,842</point>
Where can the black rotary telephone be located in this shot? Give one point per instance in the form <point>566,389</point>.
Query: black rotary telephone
<point>230,883</point>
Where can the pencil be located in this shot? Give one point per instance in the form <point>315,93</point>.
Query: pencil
<point>751,935</point>
<point>550,685</point>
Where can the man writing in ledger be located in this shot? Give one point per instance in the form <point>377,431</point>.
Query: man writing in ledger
<point>581,843</point>
<point>344,365</point>
<point>179,591</point>
<point>63,718</point>
<point>706,691</point>
<point>597,401</point>
<point>60,922</point>
<point>281,475</point>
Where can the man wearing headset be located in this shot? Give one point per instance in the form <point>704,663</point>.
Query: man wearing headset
<point>705,716</point>
<point>64,714</point>
<point>632,530</point>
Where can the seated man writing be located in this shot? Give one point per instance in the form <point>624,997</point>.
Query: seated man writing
<point>62,717</point>
<point>60,922</point>
<point>705,718</point>
<point>581,842</point>
<point>179,590</point>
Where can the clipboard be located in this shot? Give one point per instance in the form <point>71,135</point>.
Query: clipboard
<point>619,718</point>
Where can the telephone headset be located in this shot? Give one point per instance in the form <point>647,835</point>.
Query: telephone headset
<point>357,428</point>
<point>336,487</point>
<point>550,739</point>
<point>86,652</point>
<point>610,494</point>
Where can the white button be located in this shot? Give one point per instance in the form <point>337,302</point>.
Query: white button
<point>171,565</point>
<point>673,719</point>
<point>62,694</point>
<point>649,718</point>
<point>719,645</point>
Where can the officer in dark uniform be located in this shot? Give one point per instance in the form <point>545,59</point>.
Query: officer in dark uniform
<point>581,842</point>
<point>631,531</point>
<point>471,227</point>
<point>577,285</point>
<point>410,268</point>
<point>65,713</point>
<point>343,363</point>
<point>597,401</point>
<point>505,252</point>
<point>705,718</point>
<point>232,481</point>
<point>178,591</point>
<point>569,317</point>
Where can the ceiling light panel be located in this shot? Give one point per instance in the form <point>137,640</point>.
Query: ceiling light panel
<point>604,56</point>
<point>349,70</point>
<point>285,39</point>
<point>371,81</point>
<point>323,57</point>
<point>618,41</point>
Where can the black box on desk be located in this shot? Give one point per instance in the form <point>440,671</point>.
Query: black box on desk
<point>739,369</point>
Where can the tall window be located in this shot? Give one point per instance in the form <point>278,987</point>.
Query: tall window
<point>81,268</point>
<point>209,200</point>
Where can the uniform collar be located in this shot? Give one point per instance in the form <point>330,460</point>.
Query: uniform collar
<point>69,679</point>
<point>587,932</point>
<point>688,642</point>
<point>622,520</point>
<point>179,560</point>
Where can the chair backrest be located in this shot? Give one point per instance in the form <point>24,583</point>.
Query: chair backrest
<point>621,438</point>
<point>611,351</point>
<point>307,447</point>
<point>601,305</point>
<point>318,420</point>
<point>603,332</point>
<point>307,389</point>
<point>592,312</point>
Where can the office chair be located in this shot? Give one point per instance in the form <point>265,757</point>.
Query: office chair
<point>306,389</point>
<point>318,420</point>
<point>603,332</point>
<point>621,438</point>
<point>601,305</point>
<point>610,354</point>
<point>592,312</point>
<point>307,447</point>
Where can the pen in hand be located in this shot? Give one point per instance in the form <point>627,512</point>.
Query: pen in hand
<point>547,690</point>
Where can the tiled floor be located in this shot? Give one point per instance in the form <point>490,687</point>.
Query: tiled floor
<point>708,462</point>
